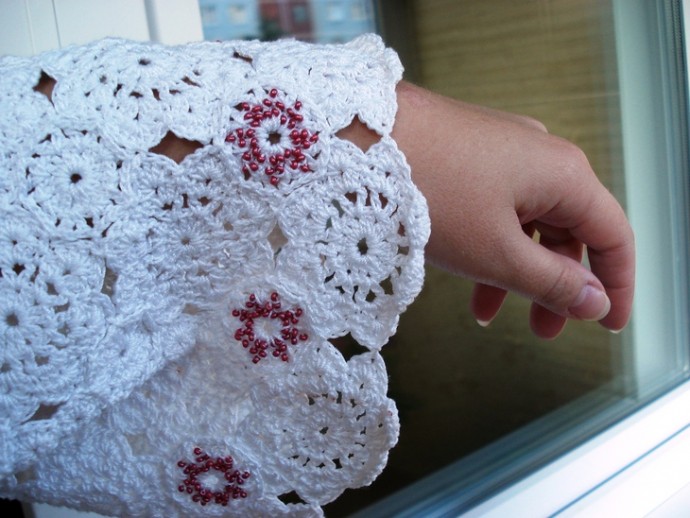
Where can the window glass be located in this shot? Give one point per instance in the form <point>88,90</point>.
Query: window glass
<point>237,14</point>
<point>209,16</point>
<point>496,403</point>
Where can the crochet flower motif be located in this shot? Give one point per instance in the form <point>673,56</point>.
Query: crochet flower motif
<point>212,480</point>
<point>275,139</point>
<point>266,327</point>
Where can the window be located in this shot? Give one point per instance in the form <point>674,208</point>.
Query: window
<point>360,10</point>
<point>300,14</point>
<point>238,14</point>
<point>209,15</point>
<point>336,11</point>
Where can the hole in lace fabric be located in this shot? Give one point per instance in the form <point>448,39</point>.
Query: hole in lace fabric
<point>247,59</point>
<point>45,411</point>
<point>109,280</point>
<point>12,320</point>
<point>387,286</point>
<point>189,82</point>
<point>61,308</point>
<point>45,86</point>
<point>277,240</point>
<point>359,134</point>
<point>348,346</point>
<point>291,498</point>
<point>174,147</point>
<point>26,475</point>
<point>191,309</point>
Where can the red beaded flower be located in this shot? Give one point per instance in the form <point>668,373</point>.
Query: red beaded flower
<point>212,480</point>
<point>266,327</point>
<point>274,141</point>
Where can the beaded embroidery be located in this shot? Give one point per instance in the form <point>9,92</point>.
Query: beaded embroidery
<point>167,322</point>
<point>275,329</point>
<point>219,490</point>
<point>277,141</point>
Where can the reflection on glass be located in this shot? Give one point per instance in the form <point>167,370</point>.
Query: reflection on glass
<point>321,21</point>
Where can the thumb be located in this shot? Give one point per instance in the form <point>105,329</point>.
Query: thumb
<point>551,275</point>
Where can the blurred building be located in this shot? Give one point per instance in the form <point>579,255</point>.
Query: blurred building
<point>322,21</point>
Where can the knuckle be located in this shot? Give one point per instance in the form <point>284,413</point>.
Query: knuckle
<point>532,122</point>
<point>558,293</point>
<point>573,159</point>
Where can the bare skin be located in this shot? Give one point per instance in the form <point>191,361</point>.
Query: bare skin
<point>491,179</point>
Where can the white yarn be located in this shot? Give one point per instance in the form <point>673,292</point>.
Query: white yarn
<point>129,282</point>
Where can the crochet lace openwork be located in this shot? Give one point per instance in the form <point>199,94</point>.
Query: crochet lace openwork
<point>167,326</point>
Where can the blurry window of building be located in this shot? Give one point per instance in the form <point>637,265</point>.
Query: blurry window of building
<point>238,13</point>
<point>209,15</point>
<point>336,11</point>
<point>360,10</point>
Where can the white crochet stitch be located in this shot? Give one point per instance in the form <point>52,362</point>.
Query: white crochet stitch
<point>166,329</point>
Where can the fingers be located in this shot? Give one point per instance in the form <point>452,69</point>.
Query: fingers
<point>550,273</point>
<point>486,302</point>
<point>576,210</point>
<point>545,323</point>
<point>611,252</point>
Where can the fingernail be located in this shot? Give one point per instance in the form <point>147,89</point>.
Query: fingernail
<point>591,304</point>
<point>483,323</point>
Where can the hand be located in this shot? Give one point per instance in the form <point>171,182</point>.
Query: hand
<point>491,180</point>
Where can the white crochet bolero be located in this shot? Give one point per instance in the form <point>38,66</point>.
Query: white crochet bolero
<point>167,329</point>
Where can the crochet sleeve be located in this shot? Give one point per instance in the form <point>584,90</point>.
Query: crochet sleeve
<point>169,328</point>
